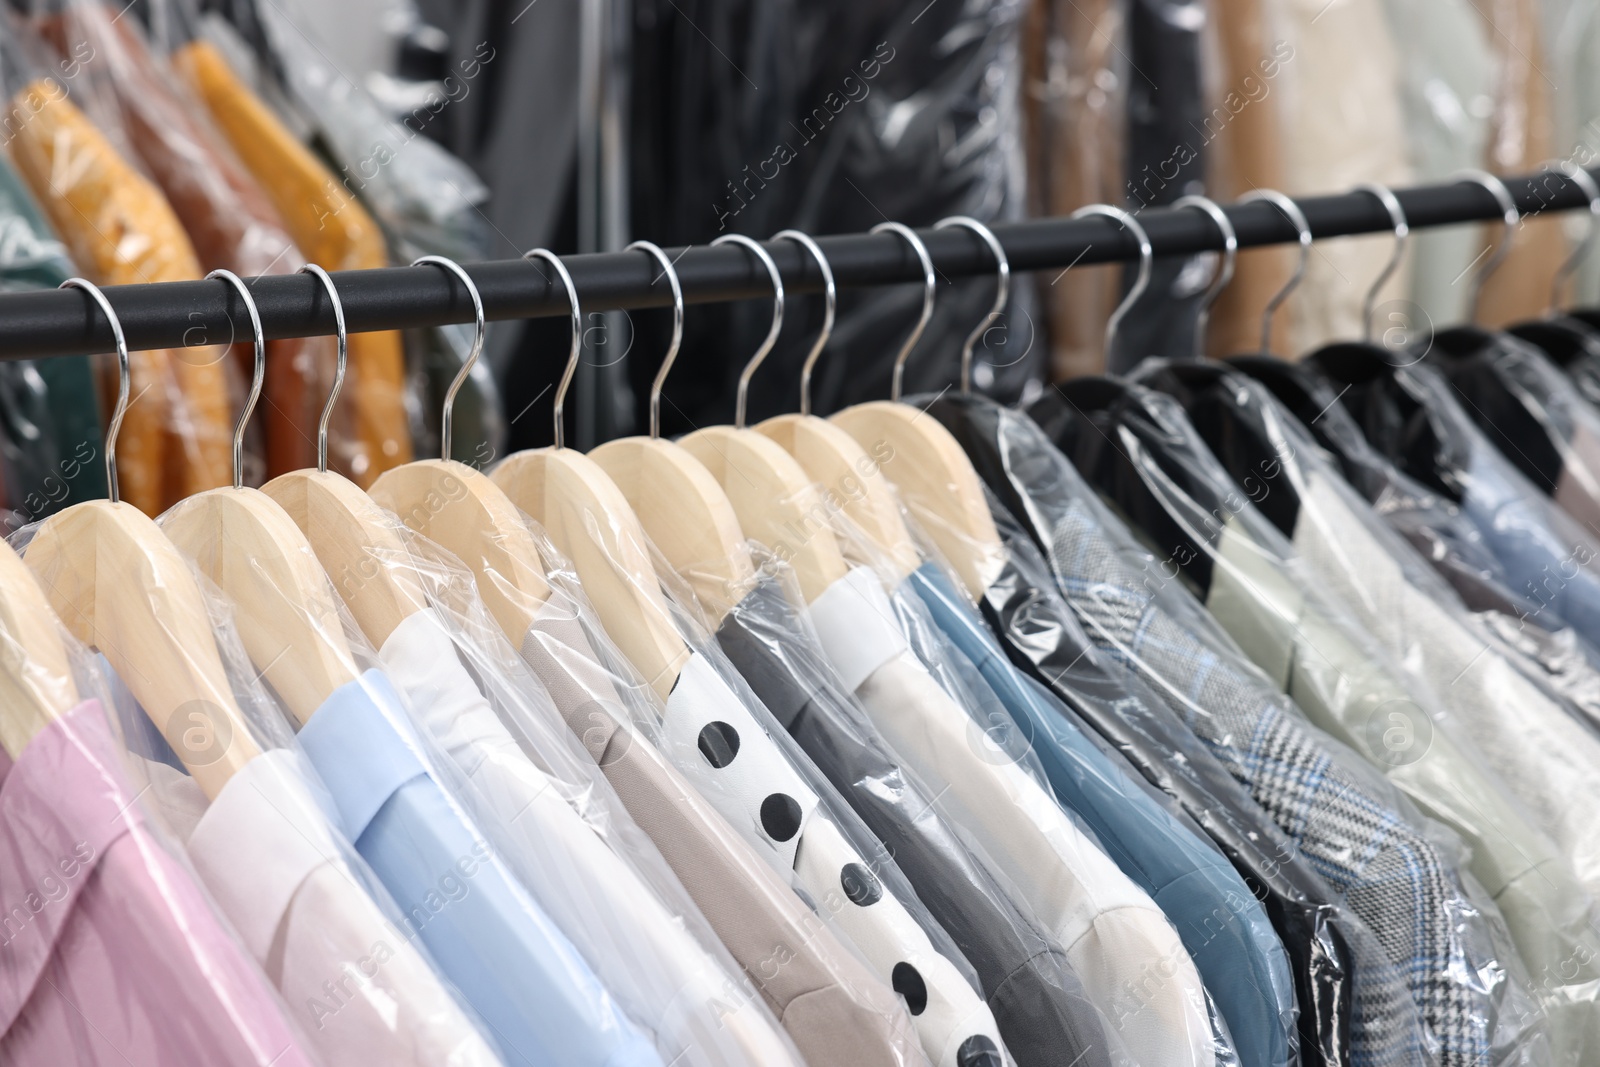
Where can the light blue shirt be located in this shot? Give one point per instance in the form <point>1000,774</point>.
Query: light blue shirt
<point>541,1002</point>
<point>1223,926</point>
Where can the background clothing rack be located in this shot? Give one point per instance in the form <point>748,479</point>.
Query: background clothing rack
<point>179,314</point>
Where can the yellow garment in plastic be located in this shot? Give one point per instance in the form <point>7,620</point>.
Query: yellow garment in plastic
<point>177,436</point>
<point>332,230</point>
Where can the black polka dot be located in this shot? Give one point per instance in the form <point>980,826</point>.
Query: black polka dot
<point>909,984</point>
<point>719,743</point>
<point>780,816</point>
<point>860,885</point>
<point>978,1051</point>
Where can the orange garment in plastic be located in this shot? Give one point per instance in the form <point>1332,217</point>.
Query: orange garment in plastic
<point>177,435</point>
<point>229,219</point>
<point>332,229</point>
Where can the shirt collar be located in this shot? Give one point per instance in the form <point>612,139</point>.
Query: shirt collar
<point>857,626</point>
<point>363,746</point>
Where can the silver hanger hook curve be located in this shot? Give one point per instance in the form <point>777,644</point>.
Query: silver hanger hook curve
<point>1297,218</point>
<point>257,375</point>
<point>831,298</point>
<point>574,348</point>
<point>447,416</point>
<point>1224,274</point>
<point>910,237</point>
<point>1509,217</point>
<point>339,367</point>
<point>1001,294</point>
<point>754,247</point>
<point>1401,229</point>
<point>124,375</point>
<point>1146,259</point>
<point>671,273</point>
<point>1585,181</point>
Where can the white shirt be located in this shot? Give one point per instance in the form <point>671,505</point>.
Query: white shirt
<point>737,766</point>
<point>360,991</point>
<point>1113,933</point>
<point>639,948</point>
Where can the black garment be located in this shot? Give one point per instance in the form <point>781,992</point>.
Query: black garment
<point>1043,637</point>
<point>1042,1011</point>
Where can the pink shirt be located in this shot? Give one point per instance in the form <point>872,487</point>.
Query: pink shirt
<point>109,953</point>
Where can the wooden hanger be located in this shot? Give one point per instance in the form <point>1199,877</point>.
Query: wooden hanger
<point>242,540</point>
<point>681,507</point>
<point>460,509</point>
<point>121,586</point>
<point>351,535</point>
<point>590,521</point>
<point>36,684</point>
<point>849,477</point>
<point>776,501</point>
<point>923,460</point>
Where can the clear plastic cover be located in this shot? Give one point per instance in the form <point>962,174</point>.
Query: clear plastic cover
<point>1352,826</point>
<point>175,438</point>
<point>545,809</point>
<point>116,952</point>
<point>1261,593</point>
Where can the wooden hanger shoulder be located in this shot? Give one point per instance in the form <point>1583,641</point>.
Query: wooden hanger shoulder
<point>36,685</point>
<point>460,509</point>
<point>926,463</point>
<point>775,500</point>
<point>850,478</point>
<point>686,514</point>
<point>589,520</point>
<point>357,546</point>
<point>119,585</point>
<point>287,618</point>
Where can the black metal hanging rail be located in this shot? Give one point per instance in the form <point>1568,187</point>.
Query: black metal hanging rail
<point>178,314</point>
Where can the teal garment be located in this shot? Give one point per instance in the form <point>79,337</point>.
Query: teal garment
<point>1223,926</point>
<point>49,413</point>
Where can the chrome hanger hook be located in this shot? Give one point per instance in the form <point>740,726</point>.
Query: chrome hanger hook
<point>1001,294</point>
<point>257,375</point>
<point>1402,232</point>
<point>928,282</point>
<point>1224,274</point>
<point>1585,181</point>
<point>1292,212</point>
<point>677,328</point>
<point>574,349</point>
<point>1146,259</point>
<point>777,319</point>
<point>124,376</point>
<point>831,297</point>
<point>447,416</point>
<point>1509,217</point>
<point>339,368</point>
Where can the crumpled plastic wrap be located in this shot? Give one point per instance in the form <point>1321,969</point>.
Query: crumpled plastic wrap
<point>116,951</point>
<point>1162,475</point>
<point>1352,996</point>
<point>177,432</point>
<point>548,812</point>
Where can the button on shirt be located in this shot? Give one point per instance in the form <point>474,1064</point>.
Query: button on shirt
<point>1111,930</point>
<point>357,987</point>
<point>1222,924</point>
<point>110,955</point>
<point>1038,1003</point>
<point>833,1008</point>
<point>541,1002</point>
<point>643,953</point>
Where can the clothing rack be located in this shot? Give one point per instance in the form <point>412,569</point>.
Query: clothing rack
<point>179,314</point>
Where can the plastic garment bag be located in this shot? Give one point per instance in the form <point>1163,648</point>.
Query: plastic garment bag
<point>48,408</point>
<point>1259,592</point>
<point>1393,868</point>
<point>114,954</point>
<point>1541,753</point>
